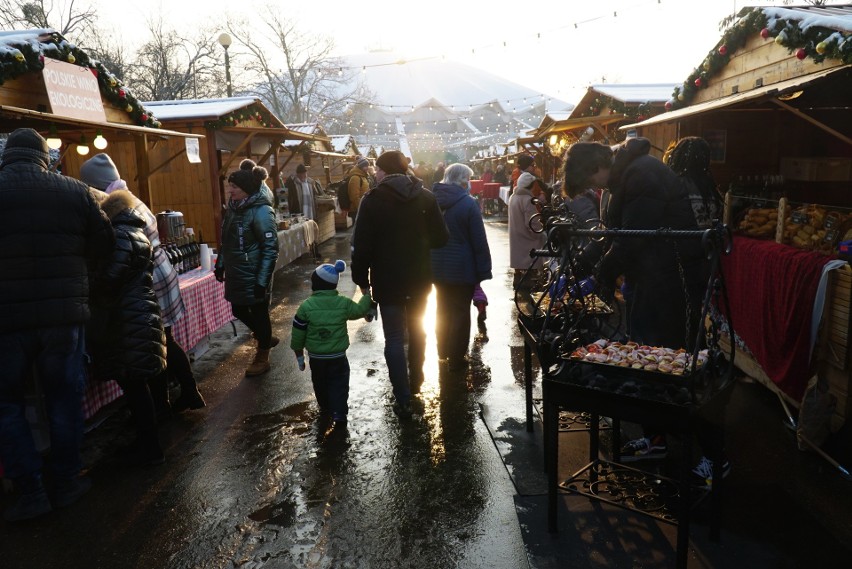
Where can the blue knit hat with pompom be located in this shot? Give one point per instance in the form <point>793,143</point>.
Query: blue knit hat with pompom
<point>326,276</point>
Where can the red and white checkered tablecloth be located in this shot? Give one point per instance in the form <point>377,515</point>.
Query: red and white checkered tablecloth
<point>206,311</point>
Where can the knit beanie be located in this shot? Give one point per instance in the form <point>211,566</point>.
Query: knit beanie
<point>99,171</point>
<point>393,162</point>
<point>525,180</point>
<point>248,180</point>
<point>326,276</point>
<point>25,144</point>
<point>363,163</point>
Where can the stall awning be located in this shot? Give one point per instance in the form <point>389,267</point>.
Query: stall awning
<point>332,154</point>
<point>765,92</point>
<point>12,118</point>
<point>577,123</point>
<point>273,132</point>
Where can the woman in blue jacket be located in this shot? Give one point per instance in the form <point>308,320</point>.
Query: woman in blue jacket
<point>247,257</point>
<point>458,266</point>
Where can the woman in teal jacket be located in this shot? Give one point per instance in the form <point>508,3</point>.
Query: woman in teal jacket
<point>247,256</point>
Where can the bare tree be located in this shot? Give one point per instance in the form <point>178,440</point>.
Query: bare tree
<point>71,18</point>
<point>169,66</point>
<point>109,51</point>
<point>295,74</point>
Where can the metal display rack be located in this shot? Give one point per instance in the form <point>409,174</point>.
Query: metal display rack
<point>670,402</point>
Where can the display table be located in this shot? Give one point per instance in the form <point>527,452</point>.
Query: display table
<point>504,194</point>
<point>206,311</point>
<point>476,187</point>
<point>292,244</point>
<point>793,294</point>
<point>325,219</point>
<point>665,499</point>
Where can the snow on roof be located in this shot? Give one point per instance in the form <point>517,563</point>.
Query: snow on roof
<point>340,142</point>
<point>198,108</point>
<point>832,17</point>
<point>637,93</point>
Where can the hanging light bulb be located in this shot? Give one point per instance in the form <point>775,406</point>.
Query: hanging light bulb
<point>53,140</point>
<point>100,142</point>
<point>82,147</point>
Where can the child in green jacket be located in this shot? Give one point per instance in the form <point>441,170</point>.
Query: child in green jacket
<point>320,327</point>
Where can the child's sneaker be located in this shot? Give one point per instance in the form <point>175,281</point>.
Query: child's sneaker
<point>644,449</point>
<point>702,474</point>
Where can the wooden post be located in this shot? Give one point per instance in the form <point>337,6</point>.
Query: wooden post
<point>216,179</point>
<point>143,168</point>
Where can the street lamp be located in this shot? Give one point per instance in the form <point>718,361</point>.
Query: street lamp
<point>225,41</point>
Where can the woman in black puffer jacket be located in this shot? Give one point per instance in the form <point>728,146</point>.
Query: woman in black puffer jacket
<point>247,256</point>
<point>127,338</point>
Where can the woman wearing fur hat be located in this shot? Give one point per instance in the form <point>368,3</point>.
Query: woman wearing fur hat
<point>129,344</point>
<point>247,256</point>
<point>101,173</point>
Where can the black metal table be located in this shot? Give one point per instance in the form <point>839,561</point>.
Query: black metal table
<point>560,391</point>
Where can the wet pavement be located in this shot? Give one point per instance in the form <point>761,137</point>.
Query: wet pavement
<point>256,479</point>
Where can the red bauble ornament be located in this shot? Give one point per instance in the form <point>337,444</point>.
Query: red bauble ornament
<point>698,82</point>
<point>723,50</point>
<point>801,53</point>
<point>121,94</point>
<point>668,106</point>
<point>144,117</point>
<point>764,33</point>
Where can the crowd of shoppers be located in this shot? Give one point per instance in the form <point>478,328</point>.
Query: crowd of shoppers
<point>415,229</point>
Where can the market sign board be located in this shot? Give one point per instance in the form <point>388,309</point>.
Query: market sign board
<point>73,91</point>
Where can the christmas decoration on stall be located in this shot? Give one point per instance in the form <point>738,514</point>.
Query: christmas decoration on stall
<point>25,53</point>
<point>253,113</point>
<point>802,41</point>
<point>616,107</point>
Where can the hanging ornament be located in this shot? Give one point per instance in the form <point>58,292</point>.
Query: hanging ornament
<point>112,82</point>
<point>821,47</point>
<point>19,56</point>
<point>71,58</point>
<point>41,58</point>
<point>129,108</point>
<point>668,105</point>
<point>122,93</point>
<point>764,33</point>
<point>144,117</point>
<point>781,38</point>
<point>698,82</point>
<point>801,53</point>
<point>680,96</point>
<point>706,65</point>
<point>723,50</point>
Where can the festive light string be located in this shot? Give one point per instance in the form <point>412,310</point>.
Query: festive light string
<point>503,43</point>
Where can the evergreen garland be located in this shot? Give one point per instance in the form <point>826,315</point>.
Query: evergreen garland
<point>818,43</point>
<point>19,57</point>
<point>251,112</point>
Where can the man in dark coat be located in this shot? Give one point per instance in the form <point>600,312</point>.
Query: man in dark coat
<point>399,222</point>
<point>50,228</point>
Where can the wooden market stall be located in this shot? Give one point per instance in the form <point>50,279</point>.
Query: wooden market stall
<point>54,87</point>
<point>772,99</point>
<point>599,114</point>
<point>234,128</point>
<point>81,108</point>
<point>324,164</point>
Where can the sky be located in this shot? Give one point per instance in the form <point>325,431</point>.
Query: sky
<point>558,47</point>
